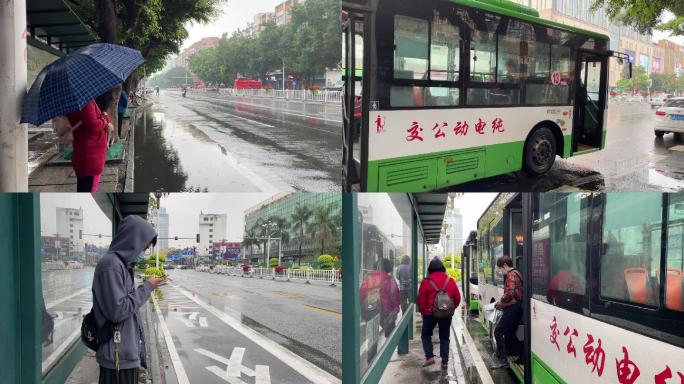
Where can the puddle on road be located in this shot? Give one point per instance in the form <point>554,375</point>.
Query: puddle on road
<point>174,156</point>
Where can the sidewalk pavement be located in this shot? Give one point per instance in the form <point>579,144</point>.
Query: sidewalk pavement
<point>47,175</point>
<point>408,369</point>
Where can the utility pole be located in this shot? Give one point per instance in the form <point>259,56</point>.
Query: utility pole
<point>13,70</point>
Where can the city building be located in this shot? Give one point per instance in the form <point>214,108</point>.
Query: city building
<point>641,48</point>
<point>163,230</point>
<point>673,60</point>
<point>225,250</point>
<point>183,58</point>
<point>283,11</point>
<point>212,227</point>
<point>279,210</point>
<point>260,20</point>
<point>70,225</point>
<point>55,248</point>
<point>453,238</point>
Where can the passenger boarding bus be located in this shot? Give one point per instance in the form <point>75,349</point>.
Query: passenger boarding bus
<point>469,270</point>
<point>603,281</point>
<point>451,91</point>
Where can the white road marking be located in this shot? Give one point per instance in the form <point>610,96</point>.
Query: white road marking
<point>220,373</point>
<point>175,359</point>
<point>234,367</point>
<point>63,299</point>
<point>193,316</point>
<point>235,362</point>
<point>263,376</point>
<point>250,120</point>
<point>296,362</point>
<point>60,315</point>
<point>203,322</point>
<point>187,322</point>
<point>678,148</point>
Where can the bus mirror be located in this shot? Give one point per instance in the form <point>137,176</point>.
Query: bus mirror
<point>620,61</point>
<point>473,280</point>
<point>629,70</point>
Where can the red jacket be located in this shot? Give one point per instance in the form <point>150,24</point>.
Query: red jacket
<point>389,291</point>
<point>90,140</point>
<point>427,293</point>
<point>513,290</point>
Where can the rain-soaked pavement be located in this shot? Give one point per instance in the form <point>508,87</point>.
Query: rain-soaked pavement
<point>236,324</point>
<point>483,343</point>
<point>206,143</point>
<point>633,160</point>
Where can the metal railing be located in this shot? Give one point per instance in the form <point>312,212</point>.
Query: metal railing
<point>322,96</point>
<point>334,277</point>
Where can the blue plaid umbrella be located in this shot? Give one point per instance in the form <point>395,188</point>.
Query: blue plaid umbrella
<point>69,83</point>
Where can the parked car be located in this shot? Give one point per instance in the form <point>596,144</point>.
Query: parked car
<point>659,100</point>
<point>670,117</point>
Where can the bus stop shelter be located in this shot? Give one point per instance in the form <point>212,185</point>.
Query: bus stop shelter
<point>24,354</point>
<point>381,232</point>
<point>33,33</point>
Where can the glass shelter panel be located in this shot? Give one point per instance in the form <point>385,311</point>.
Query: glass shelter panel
<point>385,222</point>
<point>75,232</point>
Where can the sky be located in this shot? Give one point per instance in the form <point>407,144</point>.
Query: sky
<point>472,205</point>
<point>95,221</point>
<point>184,209</point>
<point>235,14</point>
<point>657,35</point>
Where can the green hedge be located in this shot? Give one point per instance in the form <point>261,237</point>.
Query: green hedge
<point>155,272</point>
<point>326,262</point>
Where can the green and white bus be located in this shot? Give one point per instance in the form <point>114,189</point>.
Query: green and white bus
<point>469,269</point>
<point>448,91</point>
<point>603,281</point>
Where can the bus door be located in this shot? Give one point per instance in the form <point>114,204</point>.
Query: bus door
<point>352,112</point>
<point>590,102</point>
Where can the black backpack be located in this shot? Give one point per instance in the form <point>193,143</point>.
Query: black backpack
<point>92,336</point>
<point>443,307</point>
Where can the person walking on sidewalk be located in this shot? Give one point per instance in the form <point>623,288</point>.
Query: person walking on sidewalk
<point>511,304</point>
<point>437,291</point>
<point>116,301</point>
<point>404,276</point>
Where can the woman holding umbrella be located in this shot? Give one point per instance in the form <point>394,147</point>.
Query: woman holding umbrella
<point>67,88</point>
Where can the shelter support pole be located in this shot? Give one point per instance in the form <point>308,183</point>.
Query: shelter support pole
<point>13,69</point>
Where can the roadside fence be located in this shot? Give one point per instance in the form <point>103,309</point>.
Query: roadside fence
<point>321,96</point>
<point>334,277</point>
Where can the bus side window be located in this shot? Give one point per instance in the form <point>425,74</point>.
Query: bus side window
<point>630,256</point>
<point>559,249</point>
<point>674,280</point>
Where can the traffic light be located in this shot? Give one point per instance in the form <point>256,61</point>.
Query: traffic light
<point>198,238</point>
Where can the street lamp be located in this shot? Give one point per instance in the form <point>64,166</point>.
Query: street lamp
<point>158,196</point>
<point>269,225</point>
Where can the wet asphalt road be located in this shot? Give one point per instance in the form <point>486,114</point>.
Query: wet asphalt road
<point>67,295</point>
<point>633,160</point>
<point>302,319</point>
<point>207,143</point>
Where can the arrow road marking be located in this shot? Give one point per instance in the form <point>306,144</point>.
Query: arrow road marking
<point>193,316</point>
<point>235,369</point>
<point>235,362</point>
<point>203,322</point>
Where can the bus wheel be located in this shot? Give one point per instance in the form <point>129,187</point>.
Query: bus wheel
<point>540,151</point>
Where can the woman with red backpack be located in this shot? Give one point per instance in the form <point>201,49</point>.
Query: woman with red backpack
<point>511,304</point>
<point>438,297</point>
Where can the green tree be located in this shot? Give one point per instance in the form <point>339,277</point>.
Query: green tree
<point>324,225</point>
<point>638,82</point>
<point>174,77</point>
<point>299,222</point>
<point>664,82</point>
<point>645,15</point>
<point>273,262</point>
<point>155,27</point>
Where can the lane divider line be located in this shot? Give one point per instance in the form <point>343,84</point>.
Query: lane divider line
<point>294,361</point>
<point>175,359</point>
<point>65,298</point>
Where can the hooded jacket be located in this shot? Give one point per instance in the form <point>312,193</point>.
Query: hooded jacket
<point>116,299</point>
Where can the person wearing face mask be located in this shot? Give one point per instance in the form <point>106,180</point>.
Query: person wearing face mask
<point>116,301</point>
<point>511,304</point>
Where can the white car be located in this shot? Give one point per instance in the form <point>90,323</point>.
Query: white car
<point>670,117</point>
<point>660,100</point>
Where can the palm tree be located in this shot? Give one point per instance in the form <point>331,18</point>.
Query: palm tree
<point>250,240</point>
<point>299,221</point>
<point>281,225</point>
<point>324,226</point>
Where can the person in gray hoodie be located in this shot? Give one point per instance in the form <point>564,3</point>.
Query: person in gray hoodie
<point>116,300</point>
